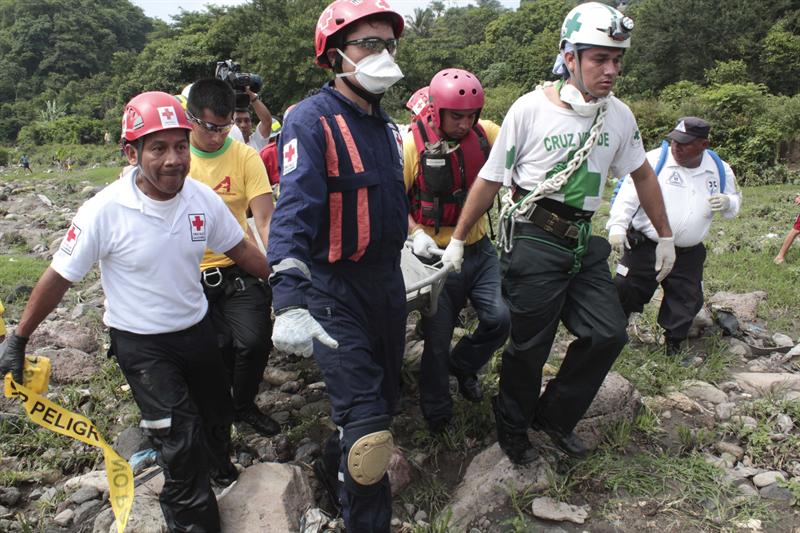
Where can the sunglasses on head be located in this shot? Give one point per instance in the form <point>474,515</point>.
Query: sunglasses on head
<point>209,126</point>
<point>375,44</point>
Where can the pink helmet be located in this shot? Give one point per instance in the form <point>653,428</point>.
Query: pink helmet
<point>150,112</point>
<point>342,13</point>
<point>418,104</point>
<point>454,88</point>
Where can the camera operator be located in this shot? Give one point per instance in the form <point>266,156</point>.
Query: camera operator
<point>243,131</point>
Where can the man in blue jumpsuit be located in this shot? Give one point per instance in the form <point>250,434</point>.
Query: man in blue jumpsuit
<point>334,248</point>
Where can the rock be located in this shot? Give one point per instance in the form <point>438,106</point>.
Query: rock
<point>84,494</point>
<point>739,348</point>
<point>420,516</point>
<point>399,471</point>
<point>95,478</point>
<point>758,383</point>
<point>784,422</point>
<point>64,518</point>
<point>146,517</point>
<point>268,497</point>
<point>744,471</point>
<point>730,448</point>
<point>746,490</point>
<point>775,492</point>
<point>794,352</point>
<point>681,402</point>
<point>321,407</point>
<point>70,365</point>
<point>744,306</point>
<point>9,496</point>
<point>550,509</point>
<point>277,377</point>
<point>487,482</point>
<point>782,340</point>
<point>63,334</point>
<point>306,451</point>
<point>767,478</point>
<point>290,387</point>
<point>86,511</point>
<point>615,402</point>
<point>723,411</point>
<point>129,441</point>
<point>702,391</point>
<point>745,421</point>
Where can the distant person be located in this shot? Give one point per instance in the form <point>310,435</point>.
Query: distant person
<point>25,163</point>
<point>148,231</point>
<point>243,131</point>
<point>2,324</point>
<point>695,184</point>
<point>790,237</point>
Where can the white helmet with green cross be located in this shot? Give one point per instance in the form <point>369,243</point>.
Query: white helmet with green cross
<point>596,24</point>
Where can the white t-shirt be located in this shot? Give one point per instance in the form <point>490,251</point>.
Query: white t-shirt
<point>537,134</point>
<point>256,140</point>
<point>685,191</point>
<point>149,267</point>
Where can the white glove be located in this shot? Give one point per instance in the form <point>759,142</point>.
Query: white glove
<point>619,242</point>
<point>295,331</point>
<point>665,257</point>
<point>719,202</point>
<point>420,243</point>
<point>454,254</point>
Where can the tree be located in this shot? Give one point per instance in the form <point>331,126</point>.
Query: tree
<point>420,23</point>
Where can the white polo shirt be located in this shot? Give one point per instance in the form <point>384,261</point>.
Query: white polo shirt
<point>537,134</point>
<point>256,141</point>
<point>149,267</point>
<point>686,192</point>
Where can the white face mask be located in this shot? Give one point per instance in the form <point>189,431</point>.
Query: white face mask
<point>572,96</point>
<point>375,73</point>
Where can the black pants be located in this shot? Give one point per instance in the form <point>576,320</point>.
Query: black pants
<point>683,287</point>
<point>540,293</point>
<point>179,383</point>
<point>479,280</point>
<point>240,310</point>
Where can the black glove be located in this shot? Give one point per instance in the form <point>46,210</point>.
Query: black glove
<point>12,358</point>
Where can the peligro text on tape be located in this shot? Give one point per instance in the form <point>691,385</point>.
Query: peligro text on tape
<point>52,416</point>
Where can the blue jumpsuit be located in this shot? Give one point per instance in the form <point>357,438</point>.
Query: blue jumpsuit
<point>334,248</point>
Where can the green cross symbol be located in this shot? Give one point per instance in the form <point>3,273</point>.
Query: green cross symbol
<point>581,184</point>
<point>571,25</point>
<point>636,136</point>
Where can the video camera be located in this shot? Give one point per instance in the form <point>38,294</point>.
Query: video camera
<point>230,72</point>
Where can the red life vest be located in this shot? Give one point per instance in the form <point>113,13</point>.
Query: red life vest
<point>269,156</point>
<point>441,185</point>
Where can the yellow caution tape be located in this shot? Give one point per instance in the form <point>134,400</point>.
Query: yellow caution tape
<point>55,418</point>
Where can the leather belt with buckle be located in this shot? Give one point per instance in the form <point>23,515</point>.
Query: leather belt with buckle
<point>553,224</point>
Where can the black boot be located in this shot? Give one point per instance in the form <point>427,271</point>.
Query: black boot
<point>261,423</point>
<point>469,386</point>
<point>569,443</point>
<point>515,445</point>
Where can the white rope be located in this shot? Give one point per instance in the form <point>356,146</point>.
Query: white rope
<point>511,210</point>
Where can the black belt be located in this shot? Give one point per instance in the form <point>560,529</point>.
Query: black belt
<point>215,276</point>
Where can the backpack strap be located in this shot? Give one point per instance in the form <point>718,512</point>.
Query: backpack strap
<point>662,159</point>
<point>483,140</point>
<point>720,169</point>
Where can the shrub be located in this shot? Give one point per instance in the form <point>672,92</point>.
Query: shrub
<point>5,156</point>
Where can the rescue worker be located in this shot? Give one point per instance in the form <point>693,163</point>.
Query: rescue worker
<point>335,243</point>
<point>442,155</point>
<point>149,230</point>
<point>556,146</point>
<point>695,184</point>
<point>269,155</point>
<point>239,303</point>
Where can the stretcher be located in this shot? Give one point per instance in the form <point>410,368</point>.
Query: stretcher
<point>424,283</point>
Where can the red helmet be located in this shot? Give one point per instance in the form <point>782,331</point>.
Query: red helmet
<point>150,112</point>
<point>418,104</point>
<point>342,13</point>
<point>454,88</point>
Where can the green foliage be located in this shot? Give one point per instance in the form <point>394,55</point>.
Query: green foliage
<point>5,156</point>
<point>733,71</point>
<point>70,130</point>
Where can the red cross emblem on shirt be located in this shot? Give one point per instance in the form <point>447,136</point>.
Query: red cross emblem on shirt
<point>197,223</point>
<point>71,234</point>
<point>289,153</point>
<point>167,113</point>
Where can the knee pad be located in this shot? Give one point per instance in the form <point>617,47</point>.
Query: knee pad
<point>368,447</point>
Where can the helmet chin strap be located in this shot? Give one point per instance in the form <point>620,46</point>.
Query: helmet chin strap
<point>360,91</point>
<point>578,77</point>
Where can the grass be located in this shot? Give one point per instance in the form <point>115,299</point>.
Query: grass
<point>763,446</point>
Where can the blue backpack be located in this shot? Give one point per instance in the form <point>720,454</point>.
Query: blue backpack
<point>662,158</point>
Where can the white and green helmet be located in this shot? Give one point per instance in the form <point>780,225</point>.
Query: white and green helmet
<point>596,24</point>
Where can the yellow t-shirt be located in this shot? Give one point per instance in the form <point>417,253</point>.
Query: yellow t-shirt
<point>2,322</point>
<point>410,170</point>
<point>237,174</point>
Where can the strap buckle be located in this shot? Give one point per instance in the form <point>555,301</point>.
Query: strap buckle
<point>212,277</point>
<point>238,284</point>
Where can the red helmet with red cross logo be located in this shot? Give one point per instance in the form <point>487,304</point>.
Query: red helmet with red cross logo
<point>150,112</point>
<point>342,13</point>
<point>454,88</point>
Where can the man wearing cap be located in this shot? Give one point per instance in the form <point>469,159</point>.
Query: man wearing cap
<point>695,184</point>
<point>148,230</point>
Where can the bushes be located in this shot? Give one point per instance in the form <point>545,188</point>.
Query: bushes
<point>5,157</point>
<point>70,130</point>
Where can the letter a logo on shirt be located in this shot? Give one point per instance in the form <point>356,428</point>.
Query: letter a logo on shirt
<point>290,156</point>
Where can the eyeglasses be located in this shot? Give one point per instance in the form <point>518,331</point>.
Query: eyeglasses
<point>209,126</point>
<point>375,44</point>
